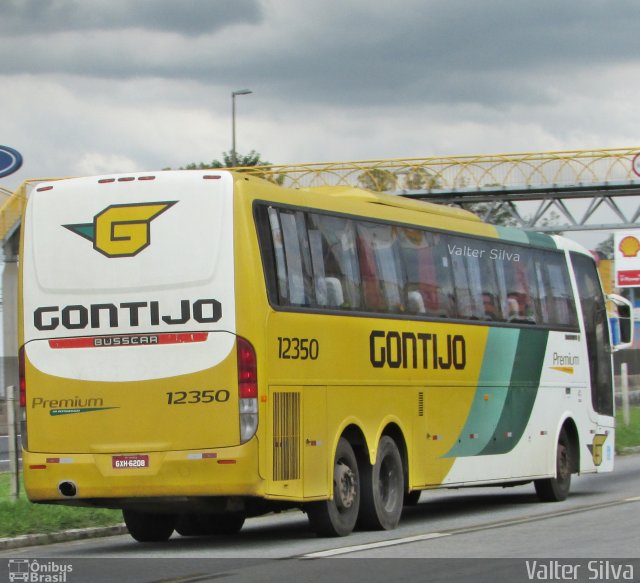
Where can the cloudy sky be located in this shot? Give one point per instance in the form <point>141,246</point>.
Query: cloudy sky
<point>96,86</point>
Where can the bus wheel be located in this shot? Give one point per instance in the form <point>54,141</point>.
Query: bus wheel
<point>383,488</point>
<point>557,489</point>
<point>337,517</point>
<point>149,528</point>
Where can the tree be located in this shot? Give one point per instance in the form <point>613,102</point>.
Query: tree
<point>378,180</point>
<point>605,248</point>
<point>250,160</point>
<point>417,178</point>
<point>242,161</point>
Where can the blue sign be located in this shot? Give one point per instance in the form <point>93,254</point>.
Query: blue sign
<point>10,161</point>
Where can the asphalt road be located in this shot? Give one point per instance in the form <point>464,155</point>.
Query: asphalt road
<point>479,534</point>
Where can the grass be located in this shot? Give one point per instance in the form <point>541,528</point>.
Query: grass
<point>628,435</point>
<point>23,517</point>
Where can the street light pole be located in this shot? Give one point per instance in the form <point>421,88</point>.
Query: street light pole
<point>234,161</point>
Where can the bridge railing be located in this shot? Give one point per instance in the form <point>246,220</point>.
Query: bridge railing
<point>456,172</point>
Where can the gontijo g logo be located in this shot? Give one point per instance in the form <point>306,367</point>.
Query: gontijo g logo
<point>121,230</point>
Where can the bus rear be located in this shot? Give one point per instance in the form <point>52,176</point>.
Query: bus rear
<point>134,385</point>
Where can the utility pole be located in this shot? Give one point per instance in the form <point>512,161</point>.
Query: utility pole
<point>234,161</point>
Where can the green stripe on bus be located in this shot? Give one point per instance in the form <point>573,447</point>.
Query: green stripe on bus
<point>514,235</point>
<point>489,400</point>
<point>541,240</point>
<point>523,390</point>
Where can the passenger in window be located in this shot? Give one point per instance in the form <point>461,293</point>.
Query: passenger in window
<point>490,309</point>
<point>513,308</point>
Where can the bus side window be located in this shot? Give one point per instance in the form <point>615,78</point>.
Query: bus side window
<point>371,292</point>
<point>522,289</point>
<point>296,254</point>
<point>337,246</point>
<point>466,278</point>
<point>428,276</point>
<point>544,287</point>
<point>492,284</point>
<point>290,251</point>
<point>278,251</point>
<point>562,306</point>
<point>312,259</point>
<point>320,281</point>
<point>380,268</point>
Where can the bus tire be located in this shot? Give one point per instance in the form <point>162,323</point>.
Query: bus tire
<point>149,528</point>
<point>337,517</point>
<point>382,488</point>
<point>557,489</point>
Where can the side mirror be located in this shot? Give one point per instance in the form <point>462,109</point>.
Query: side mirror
<point>621,324</point>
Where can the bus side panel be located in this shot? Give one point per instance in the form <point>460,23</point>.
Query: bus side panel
<point>497,429</point>
<point>314,444</point>
<point>298,448</point>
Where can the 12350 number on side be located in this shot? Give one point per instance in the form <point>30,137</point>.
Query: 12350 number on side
<point>298,348</point>
<point>194,397</point>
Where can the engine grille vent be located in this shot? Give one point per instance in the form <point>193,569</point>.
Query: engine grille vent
<point>286,436</point>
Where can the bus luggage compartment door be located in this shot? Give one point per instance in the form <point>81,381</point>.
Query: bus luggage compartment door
<point>297,442</point>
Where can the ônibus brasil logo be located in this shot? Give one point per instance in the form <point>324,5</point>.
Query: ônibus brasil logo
<point>121,230</point>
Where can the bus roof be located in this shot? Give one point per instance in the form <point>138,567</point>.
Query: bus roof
<point>397,201</point>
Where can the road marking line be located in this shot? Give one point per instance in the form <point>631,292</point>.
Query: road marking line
<point>378,545</point>
<point>469,529</point>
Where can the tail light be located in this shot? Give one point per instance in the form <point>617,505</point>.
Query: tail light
<point>247,388</point>
<point>22,379</point>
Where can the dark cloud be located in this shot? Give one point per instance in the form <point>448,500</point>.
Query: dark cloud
<point>186,17</point>
<point>350,53</point>
<point>490,51</point>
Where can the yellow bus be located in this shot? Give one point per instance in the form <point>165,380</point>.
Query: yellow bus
<point>200,347</point>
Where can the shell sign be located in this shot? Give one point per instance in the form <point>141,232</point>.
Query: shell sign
<point>626,253</point>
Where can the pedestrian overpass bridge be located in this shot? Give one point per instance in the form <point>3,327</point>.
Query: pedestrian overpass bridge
<point>551,192</point>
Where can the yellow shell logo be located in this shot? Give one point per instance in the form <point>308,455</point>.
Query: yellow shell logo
<point>121,230</point>
<point>629,246</point>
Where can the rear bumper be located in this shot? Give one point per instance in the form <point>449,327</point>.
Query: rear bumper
<point>231,471</point>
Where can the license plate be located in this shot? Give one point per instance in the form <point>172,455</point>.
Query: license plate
<point>127,462</point>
